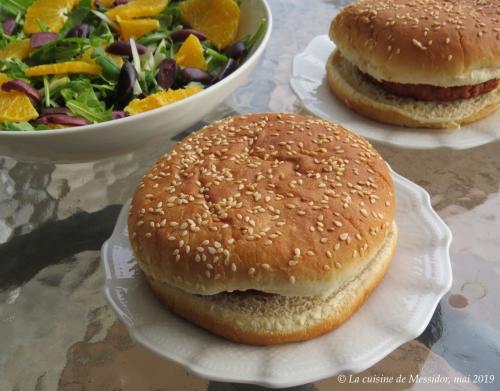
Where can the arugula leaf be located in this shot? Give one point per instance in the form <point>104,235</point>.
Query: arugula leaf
<point>250,41</point>
<point>170,16</point>
<point>101,35</point>
<point>82,100</point>
<point>17,126</point>
<point>14,68</point>
<point>148,82</point>
<point>76,17</point>
<point>15,7</point>
<point>110,71</point>
<point>46,91</point>
<point>153,38</point>
<point>64,49</point>
<point>57,84</point>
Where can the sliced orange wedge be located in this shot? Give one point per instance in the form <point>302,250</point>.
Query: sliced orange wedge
<point>159,99</point>
<point>190,54</point>
<point>47,13</point>
<point>218,19</point>
<point>15,106</point>
<point>16,50</point>
<point>135,28</point>
<point>64,67</point>
<point>137,9</point>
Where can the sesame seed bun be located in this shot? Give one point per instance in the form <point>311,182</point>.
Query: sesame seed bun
<point>288,211</point>
<point>280,203</point>
<point>434,42</point>
<point>370,100</point>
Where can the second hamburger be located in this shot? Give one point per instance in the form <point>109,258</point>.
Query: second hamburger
<point>425,63</point>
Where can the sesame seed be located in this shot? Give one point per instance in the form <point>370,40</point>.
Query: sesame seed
<point>292,279</point>
<point>418,44</point>
<point>251,271</point>
<point>323,240</point>
<point>344,236</point>
<point>233,267</point>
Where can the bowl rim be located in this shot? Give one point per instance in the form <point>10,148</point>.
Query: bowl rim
<point>254,56</point>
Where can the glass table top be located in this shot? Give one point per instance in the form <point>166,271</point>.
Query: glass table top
<point>57,332</point>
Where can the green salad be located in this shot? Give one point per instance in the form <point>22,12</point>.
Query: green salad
<point>69,63</point>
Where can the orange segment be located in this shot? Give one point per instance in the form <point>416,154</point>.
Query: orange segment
<point>135,28</point>
<point>15,106</point>
<point>17,49</point>
<point>49,13</point>
<point>159,99</point>
<point>190,54</point>
<point>218,19</point>
<point>63,67</point>
<point>137,9</point>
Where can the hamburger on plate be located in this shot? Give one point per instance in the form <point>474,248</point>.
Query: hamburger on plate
<point>265,228</point>
<point>418,63</point>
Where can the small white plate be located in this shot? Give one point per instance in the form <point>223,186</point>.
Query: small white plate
<point>398,310</point>
<point>309,83</point>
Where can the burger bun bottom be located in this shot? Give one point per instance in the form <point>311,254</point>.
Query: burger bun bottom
<point>368,99</point>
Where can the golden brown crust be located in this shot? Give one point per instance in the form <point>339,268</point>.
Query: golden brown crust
<point>207,313</point>
<point>436,42</point>
<point>281,203</point>
<point>394,113</point>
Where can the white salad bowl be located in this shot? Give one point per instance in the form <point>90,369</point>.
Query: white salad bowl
<point>107,139</point>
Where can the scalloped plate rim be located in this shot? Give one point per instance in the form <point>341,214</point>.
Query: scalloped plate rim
<point>355,366</point>
<point>442,138</point>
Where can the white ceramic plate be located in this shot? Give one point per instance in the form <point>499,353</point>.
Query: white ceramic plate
<point>310,84</point>
<point>91,142</point>
<point>398,311</point>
